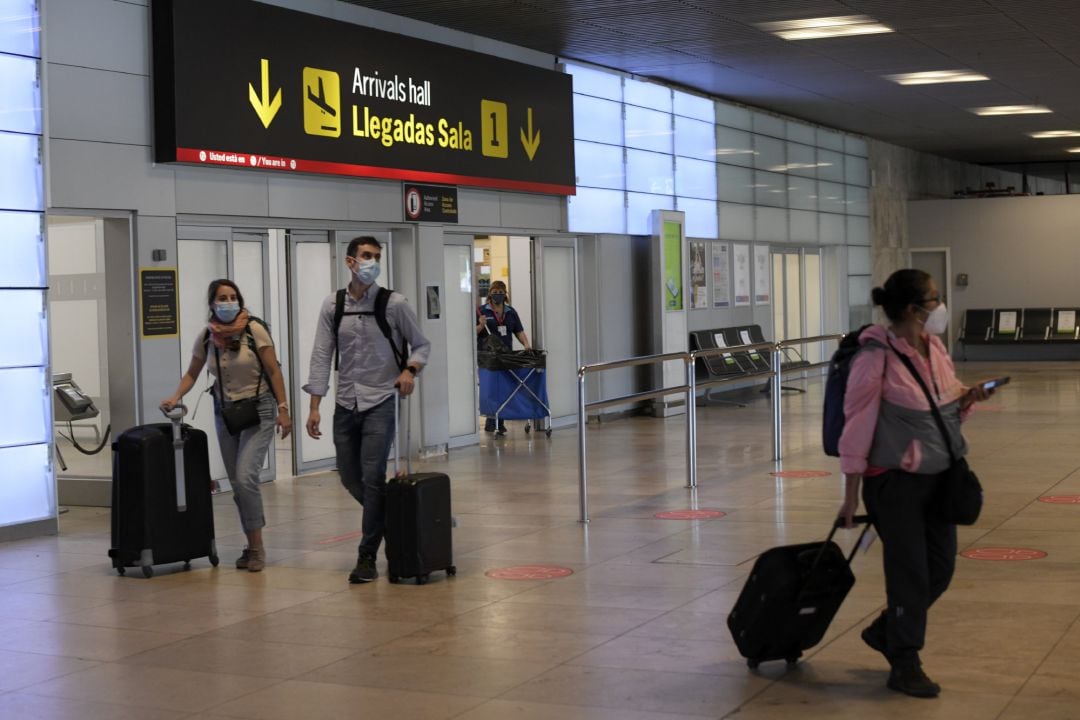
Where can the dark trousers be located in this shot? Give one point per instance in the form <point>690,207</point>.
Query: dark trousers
<point>362,440</point>
<point>919,557</point>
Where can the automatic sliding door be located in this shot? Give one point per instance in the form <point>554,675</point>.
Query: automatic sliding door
<point>556,262</point>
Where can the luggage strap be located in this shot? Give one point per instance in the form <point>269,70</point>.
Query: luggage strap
<point>858,520</point>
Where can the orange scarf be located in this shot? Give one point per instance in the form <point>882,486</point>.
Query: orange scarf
<point>228,336</point>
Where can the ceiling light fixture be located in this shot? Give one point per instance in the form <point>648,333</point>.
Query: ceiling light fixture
<point>1074,150</point>
<point>1044,134</point>
<point>825,27</point>
<point>1011,110</point>
<point>935,77</point>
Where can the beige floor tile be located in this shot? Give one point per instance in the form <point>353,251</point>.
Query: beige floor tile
<point>572,592</point>
<point>1042,708</point>
<point>236,597</point>
<point>20,669</point>
<point>479,677</point>
<point>318,701</point>
<point>495,643</point>
<point>18,606</point>
<point>634,652</point>
<point>641,690</point>
<point>82,641</point>
<point>159,617</point>
<point>520,710</point>
<point>147,687</point>
<point>18,706</point>
<point>557,618</point>
<point>241,657</point>
<point>296,628</point>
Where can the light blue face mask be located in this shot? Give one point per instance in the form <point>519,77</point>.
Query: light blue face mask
<point>226,312</point>
<point>366,272</point>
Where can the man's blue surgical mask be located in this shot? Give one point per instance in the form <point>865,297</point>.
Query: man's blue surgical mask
<point>226,311</point>
<point>366,272</point>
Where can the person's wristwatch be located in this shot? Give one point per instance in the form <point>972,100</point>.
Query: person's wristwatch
<point>411,369</point>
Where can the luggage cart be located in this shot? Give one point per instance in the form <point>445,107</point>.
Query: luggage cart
<point>513,386</point>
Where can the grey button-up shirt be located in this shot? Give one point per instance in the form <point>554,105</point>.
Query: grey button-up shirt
<point>367,367</point>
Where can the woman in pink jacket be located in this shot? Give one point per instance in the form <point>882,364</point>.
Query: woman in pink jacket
<point>893,447</point>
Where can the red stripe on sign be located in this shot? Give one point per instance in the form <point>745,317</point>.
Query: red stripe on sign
<point>340,538</point>
<point>273,162</point>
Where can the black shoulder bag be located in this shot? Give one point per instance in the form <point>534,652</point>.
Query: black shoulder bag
<point>960,495</point>
<point>240,414</point>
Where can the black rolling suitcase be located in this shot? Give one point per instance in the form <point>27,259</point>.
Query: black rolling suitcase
<point>161,502</point>
<point>790,598</point>
<point>418,520</point>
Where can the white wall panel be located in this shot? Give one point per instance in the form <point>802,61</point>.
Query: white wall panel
<point>18,25</point>
<point>100,105</point>
<point>479,208</point>
<point>26,415</point>
<point>24,250</point>
<point>596,211</point>
<point>20,110</point>
<point>133,183</point>
<point>736,221</point>
<point>23,320</point>
<point>304,197</point>
<point>21,172</point>
<point>770,224</point>
<point>204,191</point>
<point>99,34</point>
<point>521,210</point>
<point>26,487</point>
<point>372,200</point>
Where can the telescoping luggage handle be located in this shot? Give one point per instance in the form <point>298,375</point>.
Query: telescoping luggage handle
<point>839,523</point>
<point>176,415</point>
<point>398,399</point>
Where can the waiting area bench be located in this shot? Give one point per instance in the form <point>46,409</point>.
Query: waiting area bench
<point>1044,333</point>
<point>737,363</point>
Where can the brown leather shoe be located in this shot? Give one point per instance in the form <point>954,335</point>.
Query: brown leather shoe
<point>256,559</point>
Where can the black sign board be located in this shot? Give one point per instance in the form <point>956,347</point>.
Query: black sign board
<point>430,203</point>
<point>244,84</point>
<point>157,290</point>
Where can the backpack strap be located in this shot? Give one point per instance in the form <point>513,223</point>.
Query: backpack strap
<point>382,299</point>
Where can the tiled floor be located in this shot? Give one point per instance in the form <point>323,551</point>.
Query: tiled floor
<point>636,633</point>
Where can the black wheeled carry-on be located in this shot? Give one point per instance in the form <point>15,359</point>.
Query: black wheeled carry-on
<point>161,502</point>
<point>418,520</point>
<point>791,597</point>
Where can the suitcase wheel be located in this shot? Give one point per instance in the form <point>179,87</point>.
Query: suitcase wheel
<point>214,560</point>
<point>148,571</point>
<point>548,432</point>
<point>451,571</point>
<point>793,660</point>
<point>120,571</point>
<point>422,579</point>
<point>753,664</point>
<point>187,564</point>
<point>394,579</point>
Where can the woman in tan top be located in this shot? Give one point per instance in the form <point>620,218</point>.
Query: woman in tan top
<point>242,359</point>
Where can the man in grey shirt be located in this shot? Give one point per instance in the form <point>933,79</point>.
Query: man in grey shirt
<point>369,367</point>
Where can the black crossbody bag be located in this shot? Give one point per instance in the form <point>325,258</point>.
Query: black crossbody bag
<point>240,414</point>
<point>959,497</point>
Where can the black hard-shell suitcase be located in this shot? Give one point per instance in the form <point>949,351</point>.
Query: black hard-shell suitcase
<point>160,515</point>
<point>790,599</point>
<point>419,524</point>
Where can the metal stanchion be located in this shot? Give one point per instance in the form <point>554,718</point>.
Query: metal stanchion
<point>583,480</point>
<point>691,424</point>
<point>777,390</point>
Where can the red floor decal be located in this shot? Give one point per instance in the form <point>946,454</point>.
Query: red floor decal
<point>800,474</point>
<point>1061,499</point>
<point>1003,554</point>
<point>341,538</point>
<point>690,515</point>
<point>529,572</point>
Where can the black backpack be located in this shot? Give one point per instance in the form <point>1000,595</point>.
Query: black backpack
<point>381,300</point>
<point>835,389</point>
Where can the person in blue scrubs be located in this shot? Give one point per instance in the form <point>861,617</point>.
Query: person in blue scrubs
<point>502,321</point>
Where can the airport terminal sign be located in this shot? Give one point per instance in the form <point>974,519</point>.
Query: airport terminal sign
<point>243,84</point>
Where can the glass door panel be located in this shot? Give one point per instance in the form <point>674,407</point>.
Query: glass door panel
<point>559,324</point>
<point>460,338</point>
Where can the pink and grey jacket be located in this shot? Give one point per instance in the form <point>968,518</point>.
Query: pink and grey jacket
<point>887,420</point>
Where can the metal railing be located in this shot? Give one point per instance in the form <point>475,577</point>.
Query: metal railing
<point>689,389</point>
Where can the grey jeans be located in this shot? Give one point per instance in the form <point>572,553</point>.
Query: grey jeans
<point>244,455</point>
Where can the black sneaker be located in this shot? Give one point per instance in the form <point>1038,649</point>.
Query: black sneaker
<point>874,636</point>
<point>911,680</point>
<point>364,571</point>
<point>502,428</point>
<point>489,425</point>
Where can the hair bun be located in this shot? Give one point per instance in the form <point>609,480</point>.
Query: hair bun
<point>879,296</point>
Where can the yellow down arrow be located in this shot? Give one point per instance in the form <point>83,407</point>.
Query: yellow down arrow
<point>265,108</point>
<point>530,142</point>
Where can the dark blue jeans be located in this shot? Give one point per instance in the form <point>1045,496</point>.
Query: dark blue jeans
<point>362,440</point>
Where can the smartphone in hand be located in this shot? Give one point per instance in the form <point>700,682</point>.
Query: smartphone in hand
<point>995,383</point>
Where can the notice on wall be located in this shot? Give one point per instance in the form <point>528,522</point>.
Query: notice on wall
<point>741,256</point>
<point>761,274</point>
<point>430,203</point>
<point>159,303</point>
<point>721,275</point>
<point>673,288</point>
<point>699,292</point>
<point>1066,321</point>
